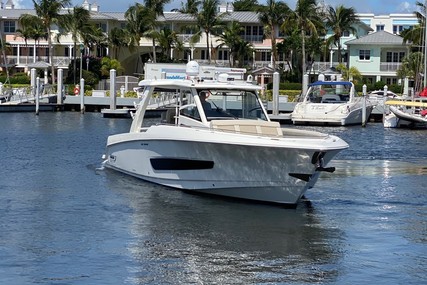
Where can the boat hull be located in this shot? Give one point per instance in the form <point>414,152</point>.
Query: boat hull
<point>330,114</point>
<point>263,171</point>
<point>408,119</point>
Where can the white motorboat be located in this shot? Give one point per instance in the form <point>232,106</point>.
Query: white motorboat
<point>411,113</point>
<point>224,146</point>
<point>332,103</point>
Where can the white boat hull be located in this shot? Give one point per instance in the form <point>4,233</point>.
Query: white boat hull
<point>330,114</point>
<point>210,162</point>
<point>405,119</point>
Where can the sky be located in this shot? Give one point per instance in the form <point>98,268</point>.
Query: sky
<point>363,6</point>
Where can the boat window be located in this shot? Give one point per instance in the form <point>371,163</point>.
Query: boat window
<point>190,111</point>
<point>231,104</point>
<point>329,93</point>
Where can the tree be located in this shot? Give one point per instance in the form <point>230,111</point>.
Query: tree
<point>117,39</point>
<point>272,17</point>
<point>350,74</point>
<point>231,38</point>
<point>76,22</point>
<point>238,47</point>
<point>168,40</point>
<point>110,63</point>
<point>189,7</point>
<point>49,13</point>
<point>31,27</point>
<point>154,8</point>
<point>244,49</point>
<point>246,5</point>
<point>210,22</point>
<point>305,19</point>
<point>135,24</point>
<point>340,20</point>
<point>416,34</point>
<point>412,67</point>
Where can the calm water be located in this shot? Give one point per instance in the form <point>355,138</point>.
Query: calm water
<point>64,221</point>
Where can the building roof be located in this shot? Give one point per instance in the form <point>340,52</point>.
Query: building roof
<point>377,38</point>
<point>39,64</point>
<point>241,17</point>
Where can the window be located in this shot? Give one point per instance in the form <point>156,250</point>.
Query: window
<point>9,26</point>
<point>203,54</point>
<point>346,34</point>
<point>394,56</point>
<point>397,29</point>
<point>265,56</point>
<point>222,55</point>
<point>103,27</point>
<point>364,54</point>
<point>380,28</point>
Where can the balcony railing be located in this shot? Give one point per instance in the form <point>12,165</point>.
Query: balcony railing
<point>58,61</point>
<point>390,66</point>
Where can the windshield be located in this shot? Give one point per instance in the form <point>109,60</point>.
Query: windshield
<point>329,93</point>
<point>231,104</point>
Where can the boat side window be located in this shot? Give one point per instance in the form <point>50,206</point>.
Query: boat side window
<point>315,96</point>
<point>190,111</point>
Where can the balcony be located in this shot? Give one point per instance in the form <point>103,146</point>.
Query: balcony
<point>390,66</point>
<point>23,60</point>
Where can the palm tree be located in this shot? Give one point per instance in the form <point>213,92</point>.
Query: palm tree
<point>189,7</point>
<point>416,34</point>
<point>272,16</point>
<point>168,40</point>
<point>49,12</point>
<point>231,37</point>
<point>76,22</point>
<point>117,39</point>
<point>210,22</point>
<point>135,23</point>
<point>305,18</point>
<point>412,67</point>
<point>246,5</point>
<point>244,49</point>
<point>340,20</point>
<point>31,27</point>
<point>154,9</point>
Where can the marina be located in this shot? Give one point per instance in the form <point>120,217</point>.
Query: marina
<point>65,220</point>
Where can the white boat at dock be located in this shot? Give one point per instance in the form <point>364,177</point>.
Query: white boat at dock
<point>224,146</point>
<point>332,103</point>
<point>411,113</point>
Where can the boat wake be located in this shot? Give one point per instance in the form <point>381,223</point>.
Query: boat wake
<point>378,167</point>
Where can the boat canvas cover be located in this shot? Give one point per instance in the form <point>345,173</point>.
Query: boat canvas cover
<point>406,103</point>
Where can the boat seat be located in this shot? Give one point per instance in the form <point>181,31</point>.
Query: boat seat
<point>248,126</point>
<point>331,98</point>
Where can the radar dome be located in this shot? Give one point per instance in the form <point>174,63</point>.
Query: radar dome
<point>192,68</point>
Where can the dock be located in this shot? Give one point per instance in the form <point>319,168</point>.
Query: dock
<point>124,107</point>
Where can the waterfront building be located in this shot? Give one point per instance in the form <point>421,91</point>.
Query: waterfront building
<point>376,59</point>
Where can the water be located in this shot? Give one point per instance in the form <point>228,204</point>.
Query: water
<point>65,221</point>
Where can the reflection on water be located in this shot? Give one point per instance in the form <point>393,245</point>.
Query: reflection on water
<point>194,238</point>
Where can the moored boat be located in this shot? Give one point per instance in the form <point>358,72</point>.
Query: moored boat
<point>411,113</point>
<point>332,103</point>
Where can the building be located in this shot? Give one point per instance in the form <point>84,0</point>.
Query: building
<point>377,53</point>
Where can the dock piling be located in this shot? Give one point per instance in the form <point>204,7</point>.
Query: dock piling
<point>82,96</point>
